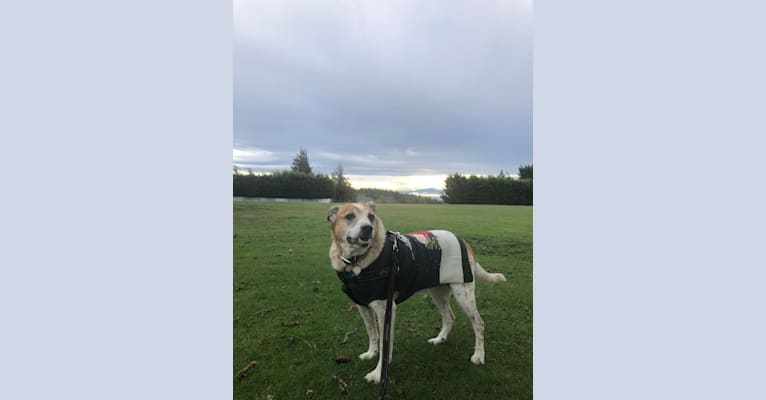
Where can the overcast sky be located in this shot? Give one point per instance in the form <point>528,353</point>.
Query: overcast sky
<point>390,89</point>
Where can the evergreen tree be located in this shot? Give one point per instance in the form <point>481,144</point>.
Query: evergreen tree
<point>343,189</point>
<point>525,172</point>
<point>301,163</point>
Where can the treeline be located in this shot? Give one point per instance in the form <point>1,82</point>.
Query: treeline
<point>284,184</point>
<point>301,182</point>
<point>501,189</point>
<point>390,196</point>
<point>298,183</point>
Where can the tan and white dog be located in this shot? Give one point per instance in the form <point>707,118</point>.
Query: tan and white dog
<point>358,242</point>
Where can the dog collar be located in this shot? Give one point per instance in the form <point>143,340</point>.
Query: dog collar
<point>351,261</point>
<point>355,270</point>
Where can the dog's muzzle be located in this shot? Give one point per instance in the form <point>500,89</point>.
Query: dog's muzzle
<point>358,241</point>
<point>364,237</point>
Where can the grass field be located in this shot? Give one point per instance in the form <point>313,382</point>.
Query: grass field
<point>292,320</point>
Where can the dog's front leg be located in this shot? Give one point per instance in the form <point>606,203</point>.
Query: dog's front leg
<point>379,308</point>
<point>371,325</point>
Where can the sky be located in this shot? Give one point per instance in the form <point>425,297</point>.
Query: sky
<point>401,93</point>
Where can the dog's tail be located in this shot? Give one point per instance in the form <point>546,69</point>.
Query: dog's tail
<point>486,276</point>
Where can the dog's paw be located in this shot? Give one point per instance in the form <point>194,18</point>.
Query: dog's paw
<point>477,358</point>
<point>437,340</point>
<point>369,354</point>
<point>373,376</point>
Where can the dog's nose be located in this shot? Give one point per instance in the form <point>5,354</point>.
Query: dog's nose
<point>366,231</point>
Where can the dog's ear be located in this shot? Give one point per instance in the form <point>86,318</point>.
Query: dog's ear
<point>372,205</point>
<point>332,213</point>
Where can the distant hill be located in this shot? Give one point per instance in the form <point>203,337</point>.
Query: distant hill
<point>429,191</point>
<point>391,196</point>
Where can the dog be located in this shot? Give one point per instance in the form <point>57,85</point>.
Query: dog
<point>439,261</point>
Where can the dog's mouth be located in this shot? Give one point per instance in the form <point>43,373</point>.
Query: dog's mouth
<point>361,241</point>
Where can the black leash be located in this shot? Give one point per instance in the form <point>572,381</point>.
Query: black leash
<point>387,319</point>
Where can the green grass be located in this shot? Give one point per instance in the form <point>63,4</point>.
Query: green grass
<point>291,318</point>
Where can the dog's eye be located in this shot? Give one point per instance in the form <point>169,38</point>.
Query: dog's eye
<point>371,217</point>
<point>350,217</point>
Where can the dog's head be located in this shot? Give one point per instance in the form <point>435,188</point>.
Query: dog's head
<point>355,227</point>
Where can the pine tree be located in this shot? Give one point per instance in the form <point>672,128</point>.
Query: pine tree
<point>301,163</point>
<point>343,189</point>
<point>525,172</point>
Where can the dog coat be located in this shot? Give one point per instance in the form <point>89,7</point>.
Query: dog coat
<point>426,259</point>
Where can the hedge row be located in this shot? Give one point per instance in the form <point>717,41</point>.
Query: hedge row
<point>487,190</point>
<point>284,184</point>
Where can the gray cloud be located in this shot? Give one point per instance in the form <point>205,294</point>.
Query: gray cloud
<point>386,88</point>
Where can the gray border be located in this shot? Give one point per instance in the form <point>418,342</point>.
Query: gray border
<point>116,138</point>
<point>649,211</point>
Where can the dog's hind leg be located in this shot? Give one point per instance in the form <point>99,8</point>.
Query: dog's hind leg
<point>371,325</point>
<point>440,296</point>
<point>465,296</point>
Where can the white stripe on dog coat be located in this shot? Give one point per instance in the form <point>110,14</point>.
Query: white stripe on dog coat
<point>451,267</point>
